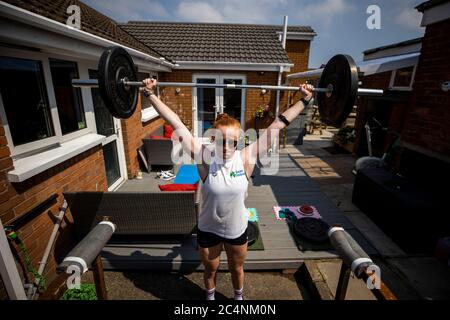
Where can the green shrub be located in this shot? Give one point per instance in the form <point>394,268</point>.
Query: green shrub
<point>86,292</point>
<point>345,135</point>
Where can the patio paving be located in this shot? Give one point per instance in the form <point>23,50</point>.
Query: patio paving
<point>290,186</point>
<point>408,276</point>
<point>134,285</point>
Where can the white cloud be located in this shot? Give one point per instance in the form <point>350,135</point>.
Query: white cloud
<point>198,12</point>
<point>323,12</point>
<point>123,11</point>
<point>409,18</point>
<point>237,11</point>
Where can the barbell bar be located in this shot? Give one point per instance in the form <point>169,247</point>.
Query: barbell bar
<point>93,83</point>
<point>119,88</point>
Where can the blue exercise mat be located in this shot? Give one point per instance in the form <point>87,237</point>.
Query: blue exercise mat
<point>187,174</point>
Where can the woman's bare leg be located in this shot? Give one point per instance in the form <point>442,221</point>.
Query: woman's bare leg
<point>211,260</point>
<point>236,257</point>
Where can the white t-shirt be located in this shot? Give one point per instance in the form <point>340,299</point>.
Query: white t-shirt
<point>223,211</point>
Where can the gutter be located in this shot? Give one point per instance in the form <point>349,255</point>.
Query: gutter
<point>269,64</point>
<point>306,74</point>
<point>292,35</point>
<point>28,17</point>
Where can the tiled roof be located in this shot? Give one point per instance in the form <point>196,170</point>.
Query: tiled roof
<point>92,21</point>
<point>218,42</point>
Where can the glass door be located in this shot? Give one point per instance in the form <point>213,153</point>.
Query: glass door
<point>209,102</point>
<point>206,102</point>
<point>110,127</point>
<point>232,100</point>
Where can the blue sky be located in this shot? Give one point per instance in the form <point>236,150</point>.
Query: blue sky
<point>340,24</point>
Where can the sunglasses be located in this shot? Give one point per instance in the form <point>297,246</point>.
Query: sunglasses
<point>229,143</point>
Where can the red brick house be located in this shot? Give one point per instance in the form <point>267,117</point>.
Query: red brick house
<point>55,138</point>
<point>223,53</point>
<point>415,104</point>
<point>408,200</point>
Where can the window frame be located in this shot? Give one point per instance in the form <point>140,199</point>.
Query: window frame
<point>80,132</point>
<point>37,146</point>
<point>399,88</point>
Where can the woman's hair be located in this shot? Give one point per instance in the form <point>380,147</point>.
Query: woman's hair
<point>225,120</point>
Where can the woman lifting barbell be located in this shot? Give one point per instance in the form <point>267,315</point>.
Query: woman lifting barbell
<point>222,221</point>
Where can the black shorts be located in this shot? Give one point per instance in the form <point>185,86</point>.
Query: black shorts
<point>208,239</point>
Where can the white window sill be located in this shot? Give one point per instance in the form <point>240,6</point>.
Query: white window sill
<point>148,114</point>
<point>27,167</point>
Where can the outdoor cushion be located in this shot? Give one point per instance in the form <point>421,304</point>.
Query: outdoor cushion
<point>168,129</point>
<point>134,213</point>
<point>178,187</point>
<point>187,174</point>
<point>157,137</point>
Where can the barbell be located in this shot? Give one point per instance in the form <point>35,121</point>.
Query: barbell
<point>119,88</point>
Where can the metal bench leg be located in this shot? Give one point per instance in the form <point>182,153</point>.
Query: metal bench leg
<point>344,277</point>
<point>99,278</point>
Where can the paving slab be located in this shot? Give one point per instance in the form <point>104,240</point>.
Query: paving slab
<point>176,286</point>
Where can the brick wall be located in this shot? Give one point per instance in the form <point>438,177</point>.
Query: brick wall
<point>133,130</point>
<point>428,118</point>
<point>182,103</point>
<point>82,172</point>
<point>422,119</point>
<point>298,52</point>
<point>255,99</point>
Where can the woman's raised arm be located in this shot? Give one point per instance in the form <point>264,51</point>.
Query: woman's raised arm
<point>188,142</point>
<point>265,141</point>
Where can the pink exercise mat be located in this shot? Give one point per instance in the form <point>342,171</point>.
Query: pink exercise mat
<point>295,210</point>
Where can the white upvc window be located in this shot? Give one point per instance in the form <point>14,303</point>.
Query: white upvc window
<point>39,108</point>
<point>402,79</point>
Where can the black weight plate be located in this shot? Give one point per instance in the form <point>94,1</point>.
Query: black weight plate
<point>252,233</point>
<point>341,72</point>
<point>114,65</point>
<point>311,229</point>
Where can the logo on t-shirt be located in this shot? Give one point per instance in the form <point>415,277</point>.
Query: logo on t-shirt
<point>237,173</point>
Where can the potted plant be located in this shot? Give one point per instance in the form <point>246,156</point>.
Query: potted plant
<point>345,138</point>
<point>86,292</point>
<point>262,112</point>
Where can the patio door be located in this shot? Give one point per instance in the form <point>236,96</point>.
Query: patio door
<point>232,101</point>
<point>113,152</point>
<point>209,102</point>
<point>206,103</point>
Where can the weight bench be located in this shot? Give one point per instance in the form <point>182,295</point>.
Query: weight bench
<point>87,254</point>
<point>355,260</point>
<point>159,217</point>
